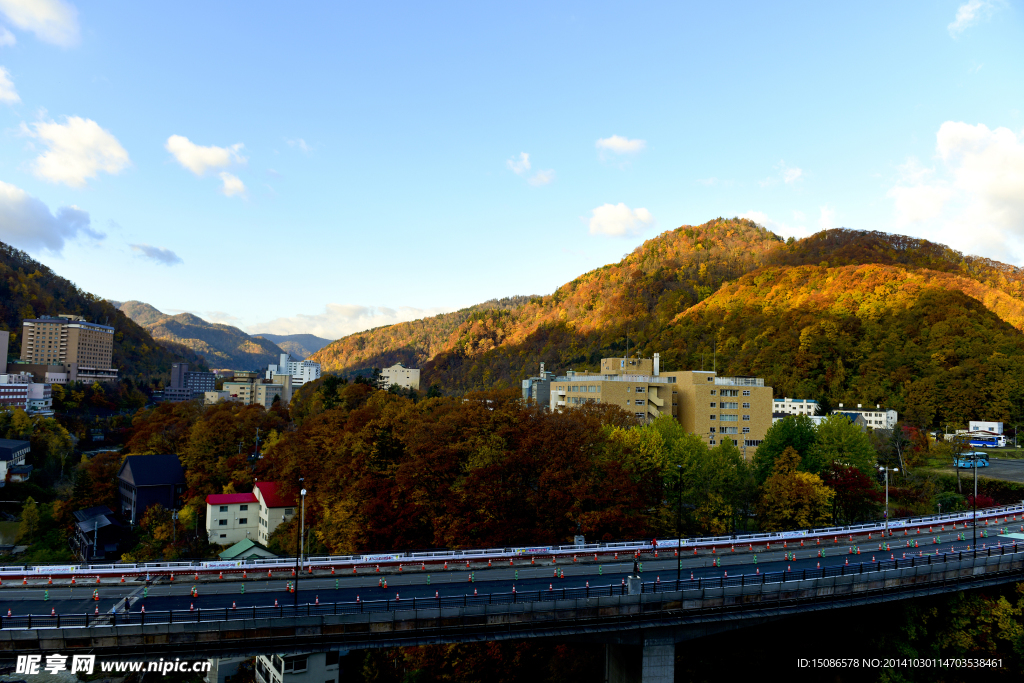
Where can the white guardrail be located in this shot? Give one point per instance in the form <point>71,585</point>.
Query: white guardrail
<point>452,556</point>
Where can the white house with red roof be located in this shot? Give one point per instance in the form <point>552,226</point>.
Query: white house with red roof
<point>233,517</point>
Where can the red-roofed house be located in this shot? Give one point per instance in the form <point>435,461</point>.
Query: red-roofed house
<point>233,517</point>
<point>273,510</point>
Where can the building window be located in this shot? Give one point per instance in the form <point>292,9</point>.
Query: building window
<point>746,418</point>
<point>746,430</point>
<point>746,405</point>
<point>287,511</point>
<point>730,405</point>
<point>639,402</point>
<point>639,390</point>
<point>640,415</point>
<point>243,520</point>
<point>222,522</point>
<point>729,418</point>
<point>223,508</point>
<point>713,417</point>
<point>712,392</point>
<point>712,442</point>
<point>243,508</point>
<point>713,404</point>
<point>746,392</point>
<point>712,430</point>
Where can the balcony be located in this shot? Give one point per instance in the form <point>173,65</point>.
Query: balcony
<point>740,381</point>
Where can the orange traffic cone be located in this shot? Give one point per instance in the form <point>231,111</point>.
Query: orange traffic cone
<point>50,582</point>
<point>332,570</point>
<point>317,601</point>
<point>233,605</point>
<point>192,606</point>
<point>53,612</point>
<point>220,575</point>
<point>96,611</point>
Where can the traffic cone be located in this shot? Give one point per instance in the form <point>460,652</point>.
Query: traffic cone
<point>534,561</point>
<point>220,575</point>
<point>657,579</point>
<point>72,580</point>
<point>510,561</point>
<point>245,575</point>
<point>233,605</point>
<point>727,574</point>
<point>588,585</point>
<point>423,567</point>
<point>197,577</point>
<point>353,570</point>
<point>789,568</point>
<point>847,562</point>
<point>192,606</point>
<point>96,612</point>
<point>311,568</point>
<point>801,543</point>
<point>53,612</point>
<point>399,569</point>
<point>474,591</point>
<point>50,582</point>
<point>551,586</point>
<point>317,600</point>
<point>691,576</point>
<point>574,557</point>
<point>750,548</point>
<point>616,556</point>
<point>269,576</point>
<point>143,610</point>
<point>98,578</point>
<point>488,563</point>
<point>446,566</point>
<point>734,548</point>
<point>758,571</point>
<point>332,570</point>
<point>436,595</point>
<point>172,578</point>
<point>357,599</point>
<point>275,600</point>
<point>819,565</point>
<point>24,581</point>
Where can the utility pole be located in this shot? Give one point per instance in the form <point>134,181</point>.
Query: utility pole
<point>974,457</point>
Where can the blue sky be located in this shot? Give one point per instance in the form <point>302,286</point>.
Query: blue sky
<point>329,167</point>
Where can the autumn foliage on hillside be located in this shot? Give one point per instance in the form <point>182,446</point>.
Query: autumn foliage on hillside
<point>28,289</point>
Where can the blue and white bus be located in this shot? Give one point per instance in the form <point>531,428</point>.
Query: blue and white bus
<point>966,460</point>
<point>986,440</point>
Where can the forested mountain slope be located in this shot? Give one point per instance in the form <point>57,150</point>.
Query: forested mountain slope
<point>300,346</point>
<point>818,318</point>
<point>222,346</point>
<point>29,289</point>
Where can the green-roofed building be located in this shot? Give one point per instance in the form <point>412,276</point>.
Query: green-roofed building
<point>246,549</point>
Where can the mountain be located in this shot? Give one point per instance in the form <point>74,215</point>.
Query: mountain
<point>29,289</point>
<point>845,316</point>
<point>223,346</point>
<point>300,346</point>
<point>140,312</point>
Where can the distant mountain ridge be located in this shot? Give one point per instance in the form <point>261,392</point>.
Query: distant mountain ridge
<point>28,289</point>
<point>223,346</point>
<point>300,346</point>
<point>843,316</point>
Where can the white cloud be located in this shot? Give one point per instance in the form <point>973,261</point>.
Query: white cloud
<point>78,149</point>
<point>7,92</point>
<point>521,165</point>
<point>778,227</point>
<point>232,185</point>
<point>7,38</point>
<point>541,178</point>
<point>974,197</point>
<point>788,175</point>
<point>621,145</point>
<point>619,220</point>
<point>53,21</point>
<point>300,144</point>
<point>200,159</point>
<point>26,222</point>
<point>827,219</point>
<point>338,320</point>
<point>158,254</point>
<point>968,14</point>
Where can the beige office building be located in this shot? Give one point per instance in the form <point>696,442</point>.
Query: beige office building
<point>249,388</point>
<point>703,402</point>
<point>407,378</point>
<point>79,347</point>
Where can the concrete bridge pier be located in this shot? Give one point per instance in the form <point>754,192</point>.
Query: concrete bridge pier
<point>652,662</point>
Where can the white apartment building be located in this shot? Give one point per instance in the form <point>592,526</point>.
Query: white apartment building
<point>311,667</point>
<point>233,517</point>
<point>794,406</point>
<point>407,378</point>
<point>873,419</point>
<point>301,371</point>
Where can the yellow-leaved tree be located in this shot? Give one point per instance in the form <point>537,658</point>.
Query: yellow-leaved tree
<point>791,499</point>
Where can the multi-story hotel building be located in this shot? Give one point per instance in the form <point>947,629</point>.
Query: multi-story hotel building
<point>69,342</point>
<point>704,403</point>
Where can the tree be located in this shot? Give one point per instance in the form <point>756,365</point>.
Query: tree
<point>29,526</point>
<point>856,496</point>
<point>793,431</point>
<point>839,441</point>
<point>791,499</point>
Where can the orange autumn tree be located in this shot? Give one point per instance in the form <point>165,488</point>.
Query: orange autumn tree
<point>791,499</point>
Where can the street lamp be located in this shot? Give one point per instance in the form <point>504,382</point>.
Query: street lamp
<point>298,543</point>
<point>679,542</point>
<point>886,470</point>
